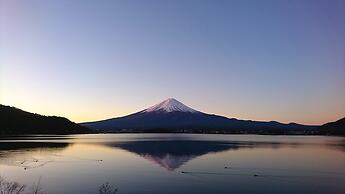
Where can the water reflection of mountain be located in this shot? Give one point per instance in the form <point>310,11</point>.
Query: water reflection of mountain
<point>173,154</point>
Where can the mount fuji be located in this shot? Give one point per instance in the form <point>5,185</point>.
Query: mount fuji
<point>171,115</point>
<point>170,105</point>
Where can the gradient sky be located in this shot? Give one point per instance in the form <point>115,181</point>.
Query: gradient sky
<point>91,60</point>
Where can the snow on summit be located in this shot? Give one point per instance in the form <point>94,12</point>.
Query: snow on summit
<point>170,105</point>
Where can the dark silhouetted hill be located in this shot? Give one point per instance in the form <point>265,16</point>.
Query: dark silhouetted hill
<point>333,128</point>
<point>14,121</point>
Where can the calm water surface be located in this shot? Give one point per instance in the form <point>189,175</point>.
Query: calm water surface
<point>176,163</point>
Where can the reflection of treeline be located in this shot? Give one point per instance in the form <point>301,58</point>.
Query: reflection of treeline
<point>16,121</point>
<point>31,145</point>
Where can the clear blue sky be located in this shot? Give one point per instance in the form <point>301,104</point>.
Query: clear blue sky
<point>87,60</point>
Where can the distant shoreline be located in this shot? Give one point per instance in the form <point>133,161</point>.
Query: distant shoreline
<point>110,133</point>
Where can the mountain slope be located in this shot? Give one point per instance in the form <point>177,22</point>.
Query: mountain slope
<point>333,128</point>
<point>16,121</point>
<point>173,116</point>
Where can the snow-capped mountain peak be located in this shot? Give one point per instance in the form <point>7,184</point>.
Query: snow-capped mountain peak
<point>170,105</point>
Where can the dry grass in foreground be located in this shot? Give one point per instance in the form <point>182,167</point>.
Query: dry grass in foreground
<point>11,187</point>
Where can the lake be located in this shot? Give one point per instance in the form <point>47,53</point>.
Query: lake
<point>176,163</point>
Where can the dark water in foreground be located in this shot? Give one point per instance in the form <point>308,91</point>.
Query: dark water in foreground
<point>177,163</point>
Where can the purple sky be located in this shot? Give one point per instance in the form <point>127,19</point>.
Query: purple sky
<point>90,60</point>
